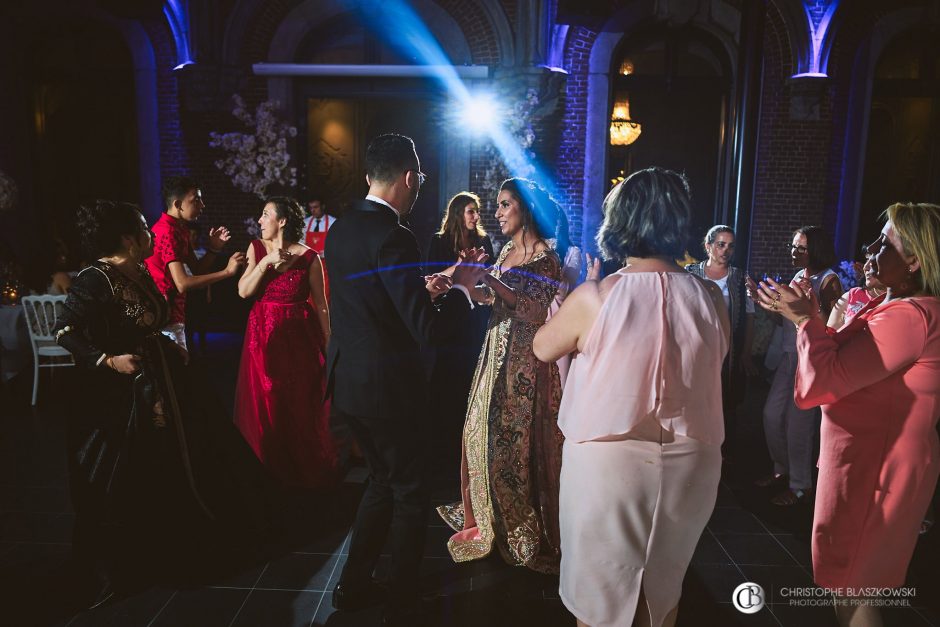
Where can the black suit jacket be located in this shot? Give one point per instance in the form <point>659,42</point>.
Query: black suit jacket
<point>380,314</point>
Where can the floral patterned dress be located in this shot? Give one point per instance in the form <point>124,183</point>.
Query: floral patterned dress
<point>511,443</point>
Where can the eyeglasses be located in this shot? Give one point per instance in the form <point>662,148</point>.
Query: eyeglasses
<point>422,177</point>
<point>800,249</point>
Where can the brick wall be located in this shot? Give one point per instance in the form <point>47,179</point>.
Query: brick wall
<point>569,158</point>
<point>792,159</point>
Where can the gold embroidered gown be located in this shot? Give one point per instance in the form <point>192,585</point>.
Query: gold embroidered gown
<point>511,442</point>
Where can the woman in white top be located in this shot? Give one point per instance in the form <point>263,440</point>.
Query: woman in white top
<point>738,366</point>
<point>641,412</point>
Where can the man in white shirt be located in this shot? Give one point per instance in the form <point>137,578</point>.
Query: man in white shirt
<point>317,225</point>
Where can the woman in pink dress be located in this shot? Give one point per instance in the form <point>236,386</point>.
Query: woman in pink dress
<point>279,405</point>
<point>641,413</point>
<point>856,298</point>
<point>878,381</point>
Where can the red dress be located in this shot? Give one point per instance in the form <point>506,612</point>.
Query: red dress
<point>279,405</point>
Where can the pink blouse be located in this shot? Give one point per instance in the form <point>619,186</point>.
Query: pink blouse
<point>655,351</point>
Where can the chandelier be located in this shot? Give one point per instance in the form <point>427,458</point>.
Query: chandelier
<point>623,130</point>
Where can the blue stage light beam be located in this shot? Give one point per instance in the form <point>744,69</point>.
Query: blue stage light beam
<point>397,24</point>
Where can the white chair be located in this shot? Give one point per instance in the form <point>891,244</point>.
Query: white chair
<point>41,313</point>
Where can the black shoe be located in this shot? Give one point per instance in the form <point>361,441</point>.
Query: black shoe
<point>352,597</point>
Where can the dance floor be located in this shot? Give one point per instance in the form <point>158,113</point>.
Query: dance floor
<point>289,585</point>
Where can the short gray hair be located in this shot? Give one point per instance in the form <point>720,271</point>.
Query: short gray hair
<point>646,214</point>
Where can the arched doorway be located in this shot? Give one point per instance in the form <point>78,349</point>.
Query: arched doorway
<point>337,114</point>
<point>902,157</point>
<point>677,82</point>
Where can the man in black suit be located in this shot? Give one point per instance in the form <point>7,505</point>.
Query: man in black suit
<point>381,313</point>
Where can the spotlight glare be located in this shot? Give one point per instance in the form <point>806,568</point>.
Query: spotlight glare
<point>479,113</point>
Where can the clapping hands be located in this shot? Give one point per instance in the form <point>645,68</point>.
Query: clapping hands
<point>793,302</point>
<point>437,284</point>
<point>470,268</point>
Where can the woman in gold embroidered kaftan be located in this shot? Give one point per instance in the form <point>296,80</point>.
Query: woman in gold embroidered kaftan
<point>511,442</point>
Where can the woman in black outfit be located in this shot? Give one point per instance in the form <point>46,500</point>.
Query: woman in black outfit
<point>156,468</point>
<point>454,364</point>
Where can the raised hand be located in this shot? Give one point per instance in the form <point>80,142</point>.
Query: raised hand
<point>470,267</point>
<point>235,262</point>
<point>593,268</point>
<point>218,237</point>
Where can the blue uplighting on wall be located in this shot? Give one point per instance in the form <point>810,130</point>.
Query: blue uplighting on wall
<point>177,15</point>
<point>815,60</point>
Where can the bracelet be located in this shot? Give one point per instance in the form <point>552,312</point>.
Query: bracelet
<point>802,320</point>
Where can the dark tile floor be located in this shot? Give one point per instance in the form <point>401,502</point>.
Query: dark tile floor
<point>747,539</point>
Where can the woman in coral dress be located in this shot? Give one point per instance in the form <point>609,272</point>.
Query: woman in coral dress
<point>878,381</point>
<point>279,405</point>
<point>511,443</point>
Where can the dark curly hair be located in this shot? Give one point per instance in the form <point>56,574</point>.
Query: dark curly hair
<point>102,225</point>
<point>286,208</point>
<point>540,212</point>
<point>646,215</point>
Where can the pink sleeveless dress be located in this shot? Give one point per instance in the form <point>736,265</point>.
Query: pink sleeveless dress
<point>279,406</point>
<point>643,426</point>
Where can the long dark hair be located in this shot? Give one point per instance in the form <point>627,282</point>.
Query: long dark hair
<point>822,252</point>
<point>540,213</point>
<point>452,225</point>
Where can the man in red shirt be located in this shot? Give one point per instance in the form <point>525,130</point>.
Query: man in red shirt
<point>173,252</point>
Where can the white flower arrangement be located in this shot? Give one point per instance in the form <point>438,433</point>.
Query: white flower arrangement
<point>257,159</point>
<point>8,192</point>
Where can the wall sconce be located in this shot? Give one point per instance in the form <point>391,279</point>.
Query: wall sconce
<point>623,130</point>
<point>626,67</point>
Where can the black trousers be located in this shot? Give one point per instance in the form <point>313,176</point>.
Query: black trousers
<point>396,502</point>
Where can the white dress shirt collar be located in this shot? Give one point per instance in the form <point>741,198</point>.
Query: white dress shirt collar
<point>383,202</point>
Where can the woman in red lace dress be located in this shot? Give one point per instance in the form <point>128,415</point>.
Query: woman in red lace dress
<point>279,404</point>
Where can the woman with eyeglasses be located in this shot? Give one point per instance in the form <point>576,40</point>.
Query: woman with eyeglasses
<point>717,268</point>
<point>790,430</point>
<point>878,381</point>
